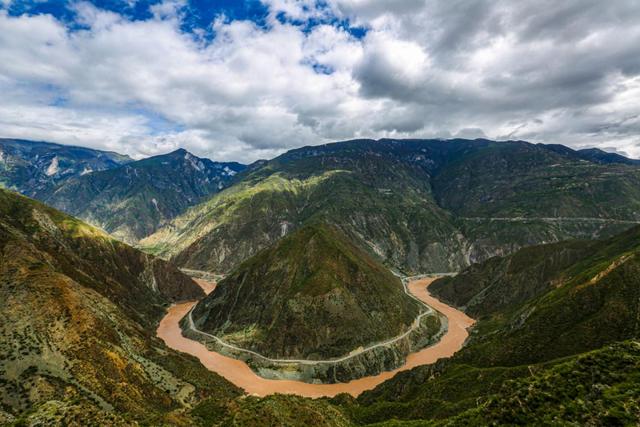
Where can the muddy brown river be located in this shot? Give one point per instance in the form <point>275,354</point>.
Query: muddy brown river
<point>242,376</point>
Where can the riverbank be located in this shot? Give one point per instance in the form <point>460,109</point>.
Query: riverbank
<point>240,374</point>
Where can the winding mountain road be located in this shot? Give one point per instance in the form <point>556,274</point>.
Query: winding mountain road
<point>356,352</point>
<point>552,219</point>
<point>240,374</point>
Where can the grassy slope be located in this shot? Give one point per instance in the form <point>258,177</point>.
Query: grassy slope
<point>314,294</point>
<point>601,387</point>
<point>577,305</point>
<point>504,281</point>
<point>77,321</point>
<point>278,410</point>
<point>598,388</point>
<point>535,318</point>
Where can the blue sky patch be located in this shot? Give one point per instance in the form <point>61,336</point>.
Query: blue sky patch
<point>197,15</point>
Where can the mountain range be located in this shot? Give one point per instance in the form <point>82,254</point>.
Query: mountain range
<point>134,200</point>
<point>543,239</point>
<point>422,205</point>
<point>126,198</point>
<point>34,168</point>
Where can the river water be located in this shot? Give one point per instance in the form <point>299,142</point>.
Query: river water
<point>239,373</point>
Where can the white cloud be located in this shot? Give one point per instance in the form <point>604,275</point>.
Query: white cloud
<point>550,73</point>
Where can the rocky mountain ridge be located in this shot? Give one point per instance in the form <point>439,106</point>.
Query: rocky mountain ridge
<point>420,205</point>
<point>134,200</point>
<point>34,168</point>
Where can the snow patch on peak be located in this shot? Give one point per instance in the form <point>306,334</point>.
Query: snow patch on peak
<point>228,171</point>
<point>86,170</point>
<point>53,167</point>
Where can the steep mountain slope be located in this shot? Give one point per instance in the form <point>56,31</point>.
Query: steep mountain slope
<point>536,325</point>
<point>33,168</point>
<point>381,201</point>
<point>598,388</point>
<point>502,282</point>
<point>133,201</point>
<point>592,154</point>
<point>313,295</point>
<point>601,387</point>
<point>577,307</point>
<point>423,205</point>
<point>76,320</point>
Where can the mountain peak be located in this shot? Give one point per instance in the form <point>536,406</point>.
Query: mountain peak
<point>178,152</point>
<point>134,200</point>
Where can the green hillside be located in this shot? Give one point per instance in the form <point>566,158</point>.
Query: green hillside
<point>601,387</point>
<point>422,205</point>
<point>574,307</point>
<point>77,324</point>
<point>556,340</point>
<point>134,200</point>
<point>314,295</point>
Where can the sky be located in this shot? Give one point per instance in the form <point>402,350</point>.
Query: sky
<point>244,80</point>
